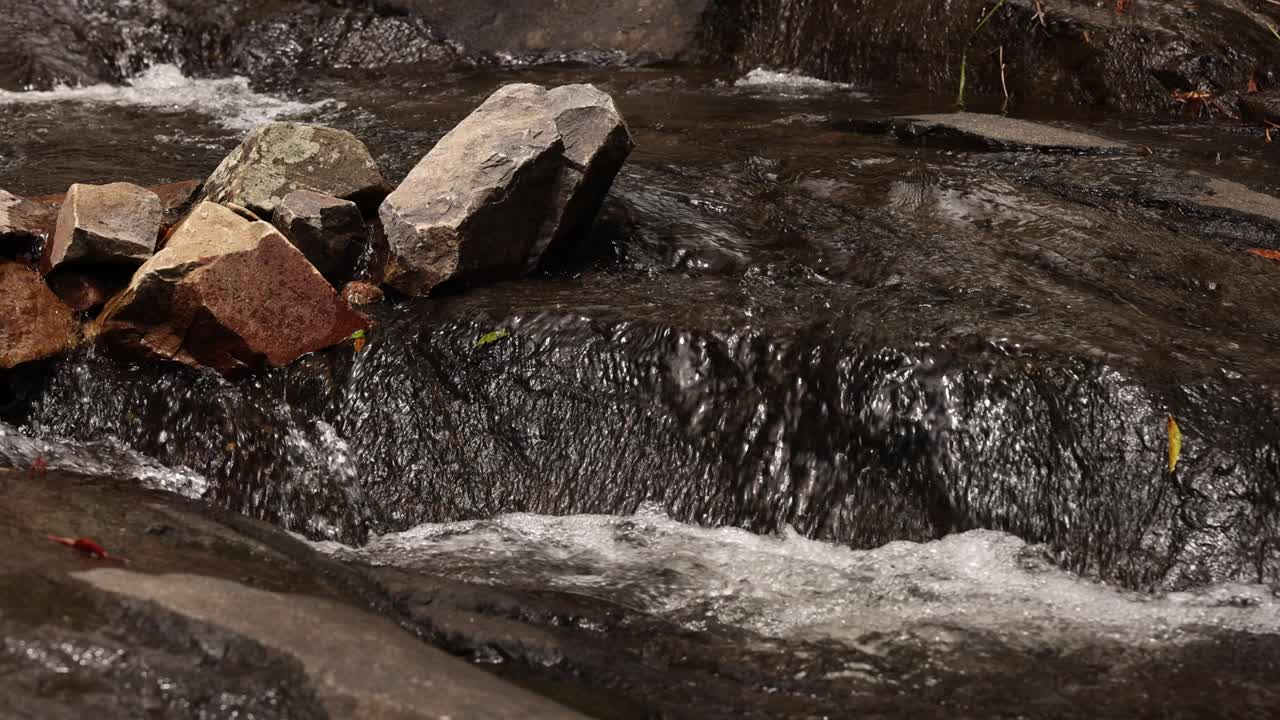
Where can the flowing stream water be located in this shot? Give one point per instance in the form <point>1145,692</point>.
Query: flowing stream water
<point>812,392</point>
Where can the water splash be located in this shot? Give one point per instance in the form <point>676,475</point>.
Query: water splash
<point>107,457</point>
<point>231,100</point>
<point>787,587</point>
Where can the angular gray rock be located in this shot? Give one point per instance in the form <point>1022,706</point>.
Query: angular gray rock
<point>597,142</point>
<point>330,232</point>
<point>116,223</point>
<point>527,170</point>
<point>278,158</point>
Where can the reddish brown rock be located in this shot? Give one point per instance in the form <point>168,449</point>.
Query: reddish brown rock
<point>176,199</point>
<point>362,293</point>
<point>33,323</point>
<point>229,294</point>
<point>25,225</point>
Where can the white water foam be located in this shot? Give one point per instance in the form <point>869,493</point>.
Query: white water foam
<point>788,83</point>
<point>793,588</point>
<point>106,458</point>
<point>231,101</point>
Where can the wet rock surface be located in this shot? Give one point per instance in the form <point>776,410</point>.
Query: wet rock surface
<point>279,158</point>
<point>213,614</point>
<point>618,31</point>
<point>329,232</point>
<point>116,223</point>
<point>229,294</point>
<point>1073,52</point>
<point>33,323</point>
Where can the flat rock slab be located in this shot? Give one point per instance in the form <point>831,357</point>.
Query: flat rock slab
<point>229,294</point>
<point>115,223</point>
<point>364,666</point>
<point>34,324</point>
<point>996,132</point>
<point>276,159</point>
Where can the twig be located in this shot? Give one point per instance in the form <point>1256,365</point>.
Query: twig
<point>964,54</point>
<point>1040,11</point>
<point>1003,87</point>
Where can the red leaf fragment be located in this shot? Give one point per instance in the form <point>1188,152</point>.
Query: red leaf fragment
<point>87,547</point>
<point>1264,253</point>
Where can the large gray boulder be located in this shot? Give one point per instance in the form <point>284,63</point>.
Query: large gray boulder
<point>278,158</point>
<point>527,170</point>
<point>229,294</point>
<point>330,232</point>
<point>117,223</point>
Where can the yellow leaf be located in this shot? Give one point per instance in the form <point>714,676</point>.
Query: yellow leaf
<point>1175,444</point>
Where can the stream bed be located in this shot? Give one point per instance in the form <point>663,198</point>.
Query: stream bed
<point>878,426</point>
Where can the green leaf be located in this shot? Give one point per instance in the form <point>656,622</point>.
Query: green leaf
<point>357,335</point>
<point>491,338</point>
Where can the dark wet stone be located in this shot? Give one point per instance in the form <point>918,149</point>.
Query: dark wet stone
<point>88,288</point>
<point>1077,53</point>
<point>537,30</point>
<point>1261,108</point>
<point>996,132</point>
<point>329,232</point>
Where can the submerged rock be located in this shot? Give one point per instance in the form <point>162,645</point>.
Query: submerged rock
<point>229,294</point>
<point>996,132</point>
<point>362,293</point>
<point>527,169</point>
<point>33,323</point>
<point>116,223</point>
<point>278,158</point>
<point>328,231</point>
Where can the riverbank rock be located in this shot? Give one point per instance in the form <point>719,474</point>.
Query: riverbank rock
<point>214,615</point>
<point>329,232</point>
<point>278,158</point>
<point>229,294</point>
<point>33,323</point>
<point>115,223</point>
<point>527,169</point>
<point>25,225</point>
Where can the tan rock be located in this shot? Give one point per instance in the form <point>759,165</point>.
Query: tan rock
<point>115,223</point>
